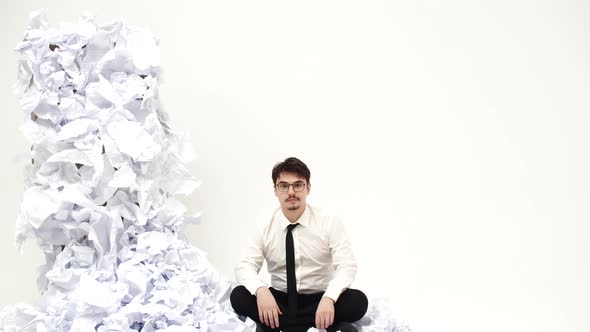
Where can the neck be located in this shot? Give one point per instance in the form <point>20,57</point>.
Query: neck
<point>293,215</point>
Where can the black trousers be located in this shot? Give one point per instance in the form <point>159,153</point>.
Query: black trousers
<point>350,307</point>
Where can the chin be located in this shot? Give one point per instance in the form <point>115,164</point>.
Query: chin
<point>293,208</point>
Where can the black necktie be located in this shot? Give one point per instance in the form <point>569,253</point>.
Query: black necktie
<point>291,280</point>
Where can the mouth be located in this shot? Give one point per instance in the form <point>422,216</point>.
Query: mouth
<point>292,199</point>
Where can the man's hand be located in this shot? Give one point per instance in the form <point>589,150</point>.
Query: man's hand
<point>324,315</point>
<point>268,310</point>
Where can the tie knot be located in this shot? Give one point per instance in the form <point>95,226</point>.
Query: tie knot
<point>290,227</point>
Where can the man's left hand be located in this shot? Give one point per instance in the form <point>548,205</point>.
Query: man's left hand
<point>324,315</point>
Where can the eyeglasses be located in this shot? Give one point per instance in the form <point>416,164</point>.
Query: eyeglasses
<point>297,186</point>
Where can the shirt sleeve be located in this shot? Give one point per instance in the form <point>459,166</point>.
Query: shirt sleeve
<point>249,265</point>
<point>343,260</point>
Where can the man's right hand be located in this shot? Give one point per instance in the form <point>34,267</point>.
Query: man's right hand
<point>268,310</point>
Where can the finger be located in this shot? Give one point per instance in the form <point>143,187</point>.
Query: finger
<point>326,318</point>
<point>317,321</point>
<point>271,320</point>
<point>266,320</point>
<point>276,318</point>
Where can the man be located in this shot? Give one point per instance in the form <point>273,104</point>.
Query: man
<point>309,258</point>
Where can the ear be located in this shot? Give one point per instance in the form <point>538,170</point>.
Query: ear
<point>308,187</point>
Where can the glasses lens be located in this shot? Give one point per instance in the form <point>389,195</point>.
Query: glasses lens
<point>283,186</point>
<point>298,186</point>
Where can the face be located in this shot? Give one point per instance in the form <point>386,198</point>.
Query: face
<point>291,200</point>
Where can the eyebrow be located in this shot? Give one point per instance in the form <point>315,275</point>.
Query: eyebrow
<point>299,181</point>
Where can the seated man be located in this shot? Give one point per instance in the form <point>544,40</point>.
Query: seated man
<point>311,263</point>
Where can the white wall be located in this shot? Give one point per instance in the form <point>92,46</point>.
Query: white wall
<point>451,135</point>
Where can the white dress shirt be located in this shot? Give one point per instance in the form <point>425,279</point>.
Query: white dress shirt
<point>324,260</point>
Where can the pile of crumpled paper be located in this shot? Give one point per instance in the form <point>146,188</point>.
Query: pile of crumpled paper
<point>100,189</point>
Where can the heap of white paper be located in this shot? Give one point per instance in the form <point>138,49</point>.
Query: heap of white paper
<point>100,192</point>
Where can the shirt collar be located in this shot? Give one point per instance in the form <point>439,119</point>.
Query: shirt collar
<point>303,219</point>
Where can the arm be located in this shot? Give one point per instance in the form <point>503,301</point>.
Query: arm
<point>345,265</point>
<point>343,260</point>
<point>248,267</point>
<point>247,275</point>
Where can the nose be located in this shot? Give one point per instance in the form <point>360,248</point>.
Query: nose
<point>291,189</point>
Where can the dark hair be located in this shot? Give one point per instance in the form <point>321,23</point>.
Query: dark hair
<point>290,165</point>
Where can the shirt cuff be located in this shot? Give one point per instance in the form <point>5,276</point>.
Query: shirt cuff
<point>333,293</point>
<point>253,286</point>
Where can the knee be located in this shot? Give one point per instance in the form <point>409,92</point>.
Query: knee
<point>238,297</point>
<point>357,304</point>
<point>363,302</point>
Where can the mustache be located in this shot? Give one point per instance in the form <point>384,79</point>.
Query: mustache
<point>290,197</point>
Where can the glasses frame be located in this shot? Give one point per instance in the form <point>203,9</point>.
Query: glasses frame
<point>291,185</point>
